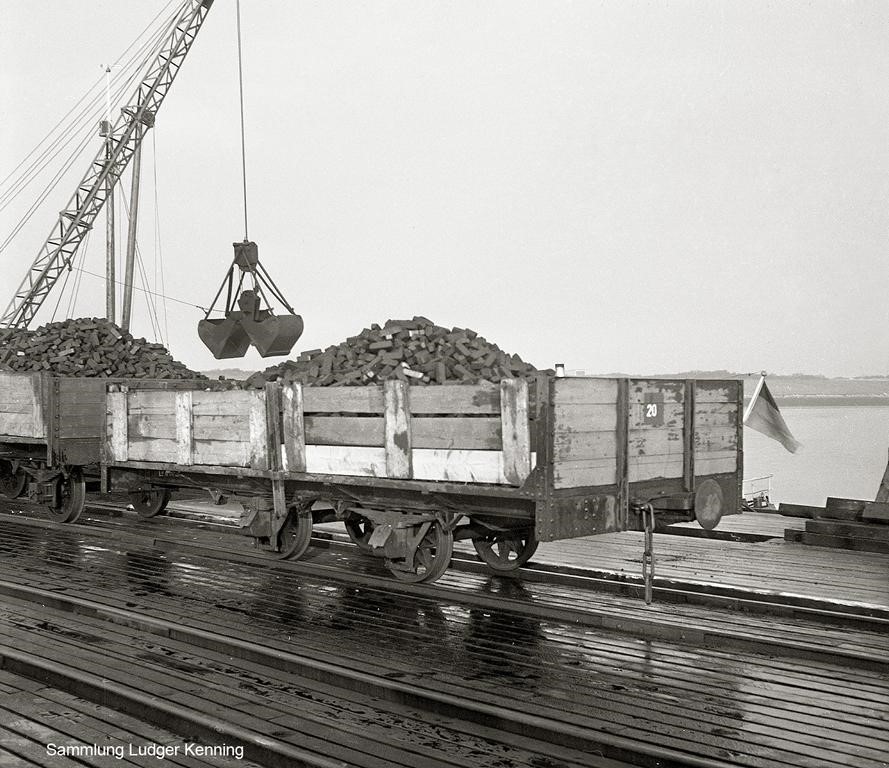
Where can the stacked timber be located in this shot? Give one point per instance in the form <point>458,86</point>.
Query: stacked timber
<point>91,347</point>
<point>416,351</point>
<point>841,524</point>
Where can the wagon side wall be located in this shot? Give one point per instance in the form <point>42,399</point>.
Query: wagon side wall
<point>186,427</point>
<point>454,433</point>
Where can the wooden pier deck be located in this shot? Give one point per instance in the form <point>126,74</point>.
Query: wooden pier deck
<point>773,566</point>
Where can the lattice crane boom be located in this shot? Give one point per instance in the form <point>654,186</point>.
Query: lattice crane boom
<point>77,219</point>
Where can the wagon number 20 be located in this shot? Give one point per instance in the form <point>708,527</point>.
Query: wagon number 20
<point>652,409</point>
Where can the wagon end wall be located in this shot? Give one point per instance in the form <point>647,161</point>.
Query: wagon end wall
<point>618,441</point>
<point>22,406</point>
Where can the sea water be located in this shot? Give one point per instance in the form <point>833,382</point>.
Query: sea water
<point>843,453</point>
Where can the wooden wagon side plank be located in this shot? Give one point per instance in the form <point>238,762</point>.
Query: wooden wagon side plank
<point>294,427</point>
<point>515,430</point>
<point>184,428</point>
<point>118,422</point>
<point>398,430</point>
<point>259,429</point>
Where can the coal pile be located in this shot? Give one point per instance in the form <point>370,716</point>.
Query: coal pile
<point>416,351</point>
<point>91,347</point>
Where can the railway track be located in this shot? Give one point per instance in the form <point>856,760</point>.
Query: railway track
<point>508,656</point>
<point>780,625</point>
<point>543,578</point>
<point>665,590</point>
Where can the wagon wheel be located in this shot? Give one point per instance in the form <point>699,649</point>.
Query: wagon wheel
<point>12,484</point>
<point>149,502</point>
<point>506,553</point>
<point>71,495</point>
<point>294,536</point>
<point>359,529</point>
<point>432,557</point>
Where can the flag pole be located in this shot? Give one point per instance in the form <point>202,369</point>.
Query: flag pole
<point>762,378</point>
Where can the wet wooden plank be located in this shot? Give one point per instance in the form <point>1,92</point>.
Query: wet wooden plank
<point>52,727</point>
<point>195,688</point>
<point>99,725</point>
<point>15,746</point>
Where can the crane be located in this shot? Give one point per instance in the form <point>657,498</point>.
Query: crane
<point>60,247</point>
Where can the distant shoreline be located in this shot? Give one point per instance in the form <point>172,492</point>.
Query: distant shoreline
<point>831,400</point>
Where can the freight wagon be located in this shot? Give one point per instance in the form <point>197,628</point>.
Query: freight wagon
<point>52,434</point>
<point>411,469</point>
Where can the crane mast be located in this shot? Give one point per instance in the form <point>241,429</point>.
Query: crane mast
<point>77,219</point>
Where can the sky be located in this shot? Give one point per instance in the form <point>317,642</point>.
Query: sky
<point>618,186</point>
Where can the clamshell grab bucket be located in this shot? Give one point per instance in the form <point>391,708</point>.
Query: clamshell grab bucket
<point>274,335</point>
<point>253,322</point>
<point>225,337</point>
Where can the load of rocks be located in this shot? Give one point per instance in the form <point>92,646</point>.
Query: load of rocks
<point>88,347</point>
<point>417,351</point>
